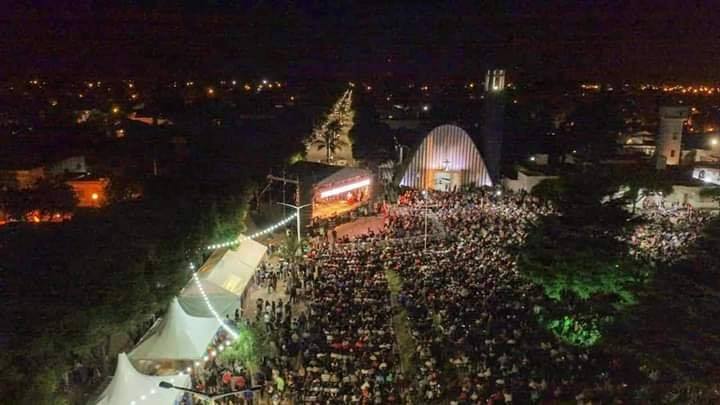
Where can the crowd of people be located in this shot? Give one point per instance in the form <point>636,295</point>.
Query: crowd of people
<point>476,338</point>
<point>666,233</point>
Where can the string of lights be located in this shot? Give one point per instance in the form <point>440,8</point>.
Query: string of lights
<point>253,236</point>
<point>233,335</point>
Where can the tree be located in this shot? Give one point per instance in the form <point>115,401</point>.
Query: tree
<point>291,249</point>
<point>635,183</point>
<point>49,197</point>
<point>711,192</point>
<point>673,330</point>
<point>251,346</point>
<point>584,271</point>
<point>46,197</point>
<point>372,140</point>
<point>329,139</point>
<point>580,259</point>
<point>593,128</point>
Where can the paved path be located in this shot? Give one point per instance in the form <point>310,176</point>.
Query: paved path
<point>360,226</point>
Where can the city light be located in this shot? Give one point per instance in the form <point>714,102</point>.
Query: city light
<point>95,196</point>
<point>714,142</point>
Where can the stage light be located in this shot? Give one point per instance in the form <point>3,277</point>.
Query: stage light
<point>345,188</point>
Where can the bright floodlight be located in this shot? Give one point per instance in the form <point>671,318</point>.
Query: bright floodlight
<point>347,187</point>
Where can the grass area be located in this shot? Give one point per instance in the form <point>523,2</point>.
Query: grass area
<point>401,325</point>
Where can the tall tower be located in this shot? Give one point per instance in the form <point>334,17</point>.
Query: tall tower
<point>493,119</point>
<point>668,145</point>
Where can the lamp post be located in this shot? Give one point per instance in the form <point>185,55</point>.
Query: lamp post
<point>425,207</point>
<point>297,218</point>
<point>208,397</point>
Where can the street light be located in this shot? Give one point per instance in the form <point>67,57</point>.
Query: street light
<point>211,398</point>
<point>297,218</point>
<point>426,206</point>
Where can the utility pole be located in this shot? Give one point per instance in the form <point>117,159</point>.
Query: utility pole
<point>425,208</point>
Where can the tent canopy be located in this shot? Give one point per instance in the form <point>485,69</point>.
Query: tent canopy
<point>193,302</point>
<point>232,269</point>
<point>179,337</point>
<point>129,386</point>
<point>344,174</point>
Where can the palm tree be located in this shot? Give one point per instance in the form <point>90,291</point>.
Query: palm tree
<point>329,139</point>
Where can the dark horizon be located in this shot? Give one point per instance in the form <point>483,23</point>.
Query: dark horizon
<point>583,41</point>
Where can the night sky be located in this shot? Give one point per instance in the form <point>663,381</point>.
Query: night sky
<point>593,40</point>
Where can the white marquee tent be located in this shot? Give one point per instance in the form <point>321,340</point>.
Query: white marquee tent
<point>129,386</point>
<point>178,337</point>
<point>192,300</point>
<point>232,269</point>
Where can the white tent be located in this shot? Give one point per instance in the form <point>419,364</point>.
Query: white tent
<point>232,269</point>
<point>130,387</point>
<point>192,300</point>
<point>178,337</point>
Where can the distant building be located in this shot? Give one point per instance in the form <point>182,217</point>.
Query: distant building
<point>91,193</point>
<point>707,174</point>
<point>493,121</point>
<point>21,179</point>
<point>25,175</point>
<point>446,159</point>
<point>640,143</point>
<point>148,119</point>
<point>526,179</point>
<point>669,139</point>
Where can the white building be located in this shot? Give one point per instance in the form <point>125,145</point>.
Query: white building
<point>446,159</point>
<point>526,180</point>
<point>669,137</point>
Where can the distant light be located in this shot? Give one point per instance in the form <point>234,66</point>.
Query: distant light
<point>210,91</point>
<point>532,158</point>
<point>115,110</point>
<point>498,193</point>
<point>95,196</point>
<point>425,108</point>
<point>234,82</point>
<point>714,142</point>
<point>264,81</point>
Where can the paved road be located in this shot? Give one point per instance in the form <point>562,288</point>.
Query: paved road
<point>360,226</point>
